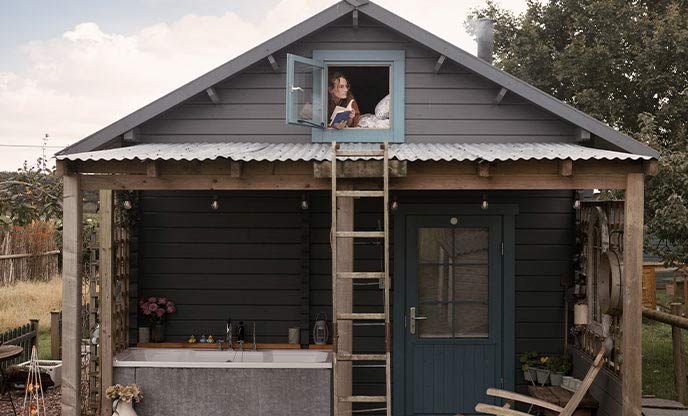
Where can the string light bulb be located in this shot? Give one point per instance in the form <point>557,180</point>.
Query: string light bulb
<point>484,204</point>
<point>304,202</point>
<point>577,202</point>
<point>127,204</point>
<point>215,205</point>
<point>394,205</point>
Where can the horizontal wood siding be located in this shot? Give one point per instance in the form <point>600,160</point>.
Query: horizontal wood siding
<point>243,262</point>
<point>454,105</point>
<point>240,262</point>
<point>606,388</point>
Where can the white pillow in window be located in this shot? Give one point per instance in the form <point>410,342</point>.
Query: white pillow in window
<point>382,108</point>
<point>371,121</point>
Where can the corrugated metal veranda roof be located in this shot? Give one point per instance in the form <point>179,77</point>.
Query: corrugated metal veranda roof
<point>282,152</point>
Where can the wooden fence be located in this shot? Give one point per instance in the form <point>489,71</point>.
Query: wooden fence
<point>26,336</point>
<point>28,253</point>
<point>56,330</point>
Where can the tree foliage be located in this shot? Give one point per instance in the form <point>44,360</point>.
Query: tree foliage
<point>625,63</point>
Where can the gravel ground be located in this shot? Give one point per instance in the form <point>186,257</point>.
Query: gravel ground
<point>52,402</point>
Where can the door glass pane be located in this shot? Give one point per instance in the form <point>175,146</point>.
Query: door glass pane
<point>453,277</point>
<point>471,320</point>
<point>435,245</point>
<point>438,323</point>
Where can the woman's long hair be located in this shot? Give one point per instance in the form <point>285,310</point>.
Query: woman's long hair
<point>333,101</point>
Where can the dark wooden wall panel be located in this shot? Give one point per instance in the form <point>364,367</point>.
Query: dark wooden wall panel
<point>454,105</point>
<point>230,263</point>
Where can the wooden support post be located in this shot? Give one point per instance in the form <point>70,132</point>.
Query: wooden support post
<point>235,169</point>
<point>650,167</point>
<point>273,64</point>
<point>500,96</point>
<point>345,263</point>
<point>55,335</point>
<point>72,231</point>
<point>354,19</point>
<point>107,272</point>
<point>679,356</point>
<point>439,63</point>
<point>212,94</point>
<point>566,167</point>
<point>34,327</point>
<point>631,322</point>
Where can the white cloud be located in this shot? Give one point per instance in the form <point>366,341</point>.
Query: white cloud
<point>87,78</point>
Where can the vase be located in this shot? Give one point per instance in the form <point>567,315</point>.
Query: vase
<point>158,333</point>
<point>122,408</point>
<point>144,334</point>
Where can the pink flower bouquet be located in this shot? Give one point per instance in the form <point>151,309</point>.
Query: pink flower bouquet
<point>155,309</point>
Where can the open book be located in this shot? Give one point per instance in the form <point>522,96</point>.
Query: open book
<point>341,113</point>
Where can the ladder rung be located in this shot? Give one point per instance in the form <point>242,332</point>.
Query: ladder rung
<point>361,316</point>
<point>364,399</point>
<point>361,234</point>
<point>369,194</point>
<point>362,357</point>
<point>345,153</point>
<point>361,275</point>
<point>375,409</point>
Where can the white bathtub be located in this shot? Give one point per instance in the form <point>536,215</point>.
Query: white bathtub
<point>204,358</point>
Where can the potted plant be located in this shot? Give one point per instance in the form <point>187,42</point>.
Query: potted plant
<point>155,310</point>
<point>528,362</point>
<point>123,397</point>
<point>559,367</point>
<point>542,371</point>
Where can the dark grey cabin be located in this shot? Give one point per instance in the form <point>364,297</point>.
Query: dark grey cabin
<point>485,164</point>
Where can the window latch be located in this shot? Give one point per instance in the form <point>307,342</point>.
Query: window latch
<point>293,88</point>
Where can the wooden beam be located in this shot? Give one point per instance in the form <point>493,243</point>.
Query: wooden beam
<point>360,169</point>
<point>235,169</point>
<point>354,19</point>
<point>273,64</point>
<point>72,230</point>
<point>500,96</point>
<point>582,135</point>
<point>631,321</point>
<point>439,63</point>
<point>484,169</point>
<point>344,301</point>
<point>107,272</point>
<point>152,168</point>
<point>212,94</point>
<point>679,352</point>
<point>566,167</point>
<point>132,136</point>
<point>651,167</point>
<point>64,168</point>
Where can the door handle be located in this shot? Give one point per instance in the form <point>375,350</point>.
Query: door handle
<point>414,318</point>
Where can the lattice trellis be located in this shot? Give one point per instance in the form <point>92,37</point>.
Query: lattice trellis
<point>120,291</point>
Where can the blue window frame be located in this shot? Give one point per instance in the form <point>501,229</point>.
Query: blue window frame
<point>306,99</point>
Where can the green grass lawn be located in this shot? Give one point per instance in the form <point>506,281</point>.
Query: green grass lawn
<point>658,362</point>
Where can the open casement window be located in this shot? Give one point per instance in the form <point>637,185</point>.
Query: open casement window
<point>304,92</point>
<point>376,81</point>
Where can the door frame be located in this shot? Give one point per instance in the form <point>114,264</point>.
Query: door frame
<point>507,212</point>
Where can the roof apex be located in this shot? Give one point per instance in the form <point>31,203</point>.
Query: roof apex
<point>394,22</point>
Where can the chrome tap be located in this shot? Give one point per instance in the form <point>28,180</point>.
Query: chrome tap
<point>229,334</point>
<point>253,335</point>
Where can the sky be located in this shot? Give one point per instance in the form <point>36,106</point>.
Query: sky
<point>71,67</point>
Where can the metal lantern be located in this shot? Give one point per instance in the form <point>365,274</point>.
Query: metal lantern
<point>320,332</point>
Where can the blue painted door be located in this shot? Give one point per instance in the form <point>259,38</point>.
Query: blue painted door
<point>453,327</point>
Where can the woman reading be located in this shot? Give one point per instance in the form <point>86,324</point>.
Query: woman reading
<point>339,95</point>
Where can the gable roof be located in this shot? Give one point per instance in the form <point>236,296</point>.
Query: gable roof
<point>384,16</point>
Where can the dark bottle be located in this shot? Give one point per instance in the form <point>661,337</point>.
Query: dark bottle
<point>241,332</point>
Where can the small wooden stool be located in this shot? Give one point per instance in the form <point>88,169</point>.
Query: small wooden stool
<point>559,396</point>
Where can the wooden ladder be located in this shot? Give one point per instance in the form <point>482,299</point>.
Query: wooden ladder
<point>337,276</point>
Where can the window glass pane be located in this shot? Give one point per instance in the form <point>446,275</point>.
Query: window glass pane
<point>433,282</point>
<point>305,102</point>
<point>471,245</point>
<point>471,320</point>
<point>438,322</point>
<point>435,245</point>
